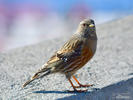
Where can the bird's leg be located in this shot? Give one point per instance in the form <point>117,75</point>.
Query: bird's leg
<point>74,87</point>
<point>81,85</point>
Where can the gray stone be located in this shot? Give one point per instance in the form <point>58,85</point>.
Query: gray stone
<point>111,69</point>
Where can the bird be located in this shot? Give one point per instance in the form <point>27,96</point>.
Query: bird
<point>72,56</point>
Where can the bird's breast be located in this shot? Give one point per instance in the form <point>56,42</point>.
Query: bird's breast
<point>86,55</point>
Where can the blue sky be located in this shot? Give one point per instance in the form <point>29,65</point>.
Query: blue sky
<point>63,5</point>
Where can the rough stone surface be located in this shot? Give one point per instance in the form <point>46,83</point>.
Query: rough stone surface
<point>111,69</point>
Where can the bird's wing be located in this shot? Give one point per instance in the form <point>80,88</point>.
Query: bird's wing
<point>70,49</point>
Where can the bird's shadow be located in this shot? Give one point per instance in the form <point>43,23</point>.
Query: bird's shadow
<point>122,90</point>
<point>60,92</point>
<point>130,74</point>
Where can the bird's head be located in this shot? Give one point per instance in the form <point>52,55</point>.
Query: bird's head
<point>87,27</point>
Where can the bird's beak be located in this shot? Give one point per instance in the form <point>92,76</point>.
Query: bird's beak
<point>91,25</point>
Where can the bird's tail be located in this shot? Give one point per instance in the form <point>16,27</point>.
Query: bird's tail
<point>41,73</point>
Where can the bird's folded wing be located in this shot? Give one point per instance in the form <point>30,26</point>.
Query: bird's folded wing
<point>70,49</point>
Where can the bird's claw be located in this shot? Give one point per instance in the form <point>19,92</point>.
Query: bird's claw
<point>78,91</point>
<point>88,85</point>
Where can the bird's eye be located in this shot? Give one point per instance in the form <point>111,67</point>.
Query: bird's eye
<point>83,24</point>
<point>86,25</point>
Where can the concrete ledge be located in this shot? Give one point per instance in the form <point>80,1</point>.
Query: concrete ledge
<point>111,70</point>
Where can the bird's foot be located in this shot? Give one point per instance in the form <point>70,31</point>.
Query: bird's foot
<point>78,91</point>
<point>80,85</point>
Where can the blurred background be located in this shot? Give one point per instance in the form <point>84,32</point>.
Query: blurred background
<point>24,22</point>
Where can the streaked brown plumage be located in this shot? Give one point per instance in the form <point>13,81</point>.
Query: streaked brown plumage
<point>74,54</point>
